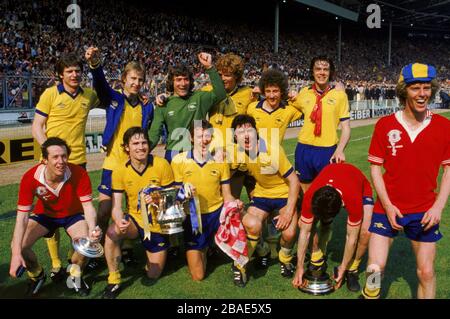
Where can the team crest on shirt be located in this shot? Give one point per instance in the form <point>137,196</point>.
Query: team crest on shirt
<point>114,104</point>
<point>61,105</point>
<point>331,101</point>
<point>214,172</point>
<point>170,113</point>
<point>279,121</point>
<point>192,107</point>
<point>188,173</point>
<point>42,192</point>
<point>394,136</point>
<point>84,105</point>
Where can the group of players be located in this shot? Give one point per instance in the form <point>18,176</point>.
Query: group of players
<point>239,145</point>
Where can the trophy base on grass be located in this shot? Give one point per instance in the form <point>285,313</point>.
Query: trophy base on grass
<point>317,283</point>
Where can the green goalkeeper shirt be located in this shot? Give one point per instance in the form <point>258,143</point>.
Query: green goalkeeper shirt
<point>179,112</point>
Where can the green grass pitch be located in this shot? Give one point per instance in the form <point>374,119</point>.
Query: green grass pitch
<point>399,282</point>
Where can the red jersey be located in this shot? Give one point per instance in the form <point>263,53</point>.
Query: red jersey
<point>411,160</point>
<point>352,185</point>
<point>61,202</point>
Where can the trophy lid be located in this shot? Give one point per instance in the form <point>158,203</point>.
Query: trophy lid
<point>87,248</point>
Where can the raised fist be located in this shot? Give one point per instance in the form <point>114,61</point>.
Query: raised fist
<point>92,55</point>
<point>205,59</point>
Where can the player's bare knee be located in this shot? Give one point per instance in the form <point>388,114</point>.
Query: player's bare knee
<point>425,274</point>
<point>252,224</point>
<point>113,235</point>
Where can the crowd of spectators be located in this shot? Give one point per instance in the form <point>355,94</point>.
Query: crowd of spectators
<point>34,34</point>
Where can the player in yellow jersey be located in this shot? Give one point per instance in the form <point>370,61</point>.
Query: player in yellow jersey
<point>62,111</point>
<point>277,188</point>
<point>210,179</point>
<point>125,109</point>
<point>273,115</point>
<point>324,108</point>
<point>129,179</point>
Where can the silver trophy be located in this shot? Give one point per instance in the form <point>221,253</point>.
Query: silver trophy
<point>170,212</point>
<point>317,282</point>
<point>88,248</point>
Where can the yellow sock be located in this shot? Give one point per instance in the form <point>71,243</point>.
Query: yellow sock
<point>114,278</point>
<point>53,250</point>
<point>354,265</point>
<point>32,274</point>
<point>317,258</point>
<point>252,241</point>
<point>285,255</point>
<point>75,270</point>
<point>371,293</point>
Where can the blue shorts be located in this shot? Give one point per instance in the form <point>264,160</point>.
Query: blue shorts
<point>158,242</point>
<point>268,205</point>
<point>310,160</point>
<point>210,225</point>
<point>52,224</point>
<point>105,184</point>
<point>411,226</point>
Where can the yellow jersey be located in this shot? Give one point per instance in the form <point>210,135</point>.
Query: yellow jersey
<point>270,167</point>
<point>66,117</point>
<point>125,179</point>
<point>207,178</point>
<point>274,122</point>
<point>222,114</point>
<point>131,116</point>
<point>335,108</point>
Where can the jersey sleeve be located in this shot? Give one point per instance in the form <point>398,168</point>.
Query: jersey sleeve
<point>26,194</point>
<point>344,108</point>
<point>225,174</point>
<point>376,153</point>
<point>44,105</point>
<point>167,178</point>
<point>177,168</point>
<point>218,93</point>
<point>84,188</point>
<point>117,184</point>
<point>367,192</point>
<point>285,167</point>
<point>306,215</point>
<point>446,160</point>
<point>95,102</point>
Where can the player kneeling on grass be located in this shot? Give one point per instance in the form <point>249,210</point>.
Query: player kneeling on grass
<point>210,180</point>
<point>411,145</point>
<point>336,185</point>
<point>64,193</point>
<point>277,189</point>
<point>130,178</point>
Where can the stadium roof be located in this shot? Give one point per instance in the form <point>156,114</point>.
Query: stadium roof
<point>433,15</point>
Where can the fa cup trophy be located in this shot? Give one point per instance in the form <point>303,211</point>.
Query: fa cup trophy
<point>169,209</point>
<point>88,248</point>
<point>316,281</point>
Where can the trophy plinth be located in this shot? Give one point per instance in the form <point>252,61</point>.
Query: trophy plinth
<point>317,282</point>
<point>87,248</point>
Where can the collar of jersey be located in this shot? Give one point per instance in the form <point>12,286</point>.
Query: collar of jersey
<point>62,90</point>
<point>40,177</point>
